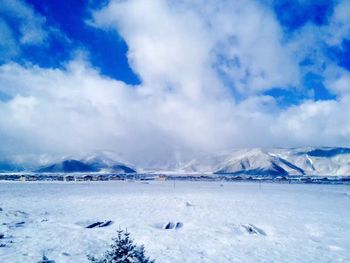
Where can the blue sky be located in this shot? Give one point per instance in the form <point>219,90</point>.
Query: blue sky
<point>106,49</point>
<point>163,69</point>
<point>295,14</point>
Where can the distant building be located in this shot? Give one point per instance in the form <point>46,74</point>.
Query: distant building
<point>161,177</point>
<point>69,178</point>
<point>31,178</point>
<point>102,177</point>
<point>88,178</point>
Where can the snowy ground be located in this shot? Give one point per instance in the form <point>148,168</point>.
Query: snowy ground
<point>302,223</point>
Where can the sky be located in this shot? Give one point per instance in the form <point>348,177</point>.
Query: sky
<point>158,81</point>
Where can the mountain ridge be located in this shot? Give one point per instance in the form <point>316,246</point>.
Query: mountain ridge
<point>302,161</point>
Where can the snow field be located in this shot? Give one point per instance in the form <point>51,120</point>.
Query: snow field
<point>299,223</point>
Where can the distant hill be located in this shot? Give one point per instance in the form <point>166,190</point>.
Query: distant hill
<point>6,166</point>
<point>67,166</point>
<point>95,165</point>
<point>105,163</point>
<point>122,169</point>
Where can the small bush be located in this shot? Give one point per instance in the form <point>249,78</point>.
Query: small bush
<point>123,250</point>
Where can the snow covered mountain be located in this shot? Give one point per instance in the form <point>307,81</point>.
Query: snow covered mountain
<point>324,161</point>
<point>108,165</point>
<point>320,161</point>
<point>92,163</point>
<point>9,166</point>
<point>95,165</point>
<point>67,166</point>
<point>257,162</point>
<point>307,161</point>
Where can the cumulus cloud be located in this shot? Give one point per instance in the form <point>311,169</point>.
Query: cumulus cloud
<point>203,67</point>
<point>316,123</point>
<point>183,41</point>
<point>75,110</point>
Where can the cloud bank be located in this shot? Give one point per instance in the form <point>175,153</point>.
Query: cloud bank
<point>205,68</point>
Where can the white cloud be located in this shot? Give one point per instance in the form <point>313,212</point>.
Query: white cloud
<point>337,80</point>
<point>8,46</point>
<point>184,106</point>
<point>339,23</point>
<point>31,25</point>
<point>169,48</point>
<point>179,43</point>
<point>316,123</point>
<point>253,45</point>
<point>75,110</point>
<point>312,43</point>
<point>20,26</point>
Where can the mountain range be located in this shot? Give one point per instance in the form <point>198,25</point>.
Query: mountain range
<point>306,161</point>
<point>320,161</point>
